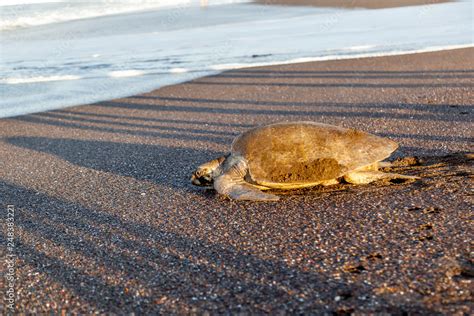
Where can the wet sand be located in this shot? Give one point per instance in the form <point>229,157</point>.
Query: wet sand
<point>368,4</point>
<point>107,221</point>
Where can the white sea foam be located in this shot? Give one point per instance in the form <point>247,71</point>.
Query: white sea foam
<point>16,14</point>
<point>362,47</point>
<point>125,73</point>
<point>38,79</point>
<point>178,70</point>
<point>5,3</point>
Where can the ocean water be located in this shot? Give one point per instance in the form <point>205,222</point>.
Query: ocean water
<point>55,54</point>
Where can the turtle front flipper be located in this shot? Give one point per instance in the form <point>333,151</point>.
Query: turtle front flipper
<point>237,189</point>
<point>232,184</point>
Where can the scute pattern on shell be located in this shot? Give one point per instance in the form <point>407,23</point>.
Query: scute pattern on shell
<point>308,152</point>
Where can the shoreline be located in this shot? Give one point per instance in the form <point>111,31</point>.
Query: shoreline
<point>352,4</point>
<point>107,221</point>
<point>225,67</point>
<point>431,49</point>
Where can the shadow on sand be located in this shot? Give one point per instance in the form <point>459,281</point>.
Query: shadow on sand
<point>187,272</point>
<point>169,166</point>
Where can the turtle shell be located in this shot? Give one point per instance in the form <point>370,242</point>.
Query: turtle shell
<point>307,152</point>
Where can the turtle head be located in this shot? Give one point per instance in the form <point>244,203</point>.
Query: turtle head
<point>205,173</point>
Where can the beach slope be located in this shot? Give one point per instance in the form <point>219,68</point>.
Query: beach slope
<point>106,220</point>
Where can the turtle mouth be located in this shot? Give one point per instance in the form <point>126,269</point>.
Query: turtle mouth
<point>202,181</point>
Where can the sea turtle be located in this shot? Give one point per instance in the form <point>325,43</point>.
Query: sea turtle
<point>295,155</point>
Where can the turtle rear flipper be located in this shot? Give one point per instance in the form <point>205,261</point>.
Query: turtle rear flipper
<point>368,176</point>
<point>232,184</point>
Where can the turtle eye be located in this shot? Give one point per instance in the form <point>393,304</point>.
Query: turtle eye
<point>199,173</point>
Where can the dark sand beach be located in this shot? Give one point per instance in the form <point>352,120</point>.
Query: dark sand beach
<point>368,4</point>
<point>106,219</point>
